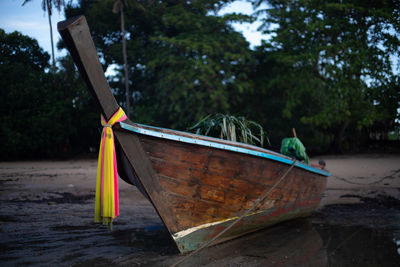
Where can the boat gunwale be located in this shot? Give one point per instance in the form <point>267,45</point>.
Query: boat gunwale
<point>174,135</point>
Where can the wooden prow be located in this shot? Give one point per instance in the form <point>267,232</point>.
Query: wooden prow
<point>76,35</point>
<point>135,163</point>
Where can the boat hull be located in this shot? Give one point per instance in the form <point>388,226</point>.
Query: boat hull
<point>204,190</point>
<point>198,185</point>
<point>192,239</point>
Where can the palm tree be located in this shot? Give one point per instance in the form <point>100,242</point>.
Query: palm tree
<point>119,8</point>
<point>47,5</point>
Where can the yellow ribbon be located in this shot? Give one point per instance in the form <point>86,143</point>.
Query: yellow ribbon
<point>107,203</point>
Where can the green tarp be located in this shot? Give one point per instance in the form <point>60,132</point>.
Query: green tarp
<point>294,148</point>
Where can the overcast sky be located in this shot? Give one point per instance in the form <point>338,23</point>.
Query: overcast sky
<point>32,21</point>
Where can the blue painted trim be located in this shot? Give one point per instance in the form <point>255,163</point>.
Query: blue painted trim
<point>274,156</point>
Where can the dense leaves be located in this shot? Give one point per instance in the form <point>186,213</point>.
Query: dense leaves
<point>330,69</point>
<point>342,57</point>
<point>37,115</point>
<point>186,61</point>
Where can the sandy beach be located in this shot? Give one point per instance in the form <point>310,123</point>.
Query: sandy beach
<point>362,175</point>
<point>46,215</point>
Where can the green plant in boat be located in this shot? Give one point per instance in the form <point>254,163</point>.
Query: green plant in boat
<point>232,128</point>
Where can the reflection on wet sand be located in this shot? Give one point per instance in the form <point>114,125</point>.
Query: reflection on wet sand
<point>39,233</point>
<point>294,243</point>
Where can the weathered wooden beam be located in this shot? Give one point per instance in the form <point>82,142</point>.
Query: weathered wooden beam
<point>76,35</point>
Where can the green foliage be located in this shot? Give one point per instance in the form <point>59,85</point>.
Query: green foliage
<point>339,56</point>
<point>185,60</point>
<point>330,70</point>
<point>38,117</point>
<point>26,116</point>
<point>85,117</point>
<point>47,5</point>
<point>237,129</point>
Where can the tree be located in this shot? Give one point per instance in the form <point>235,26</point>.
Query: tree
<point>47,6</point>
<point>29,115</point>
<point>341,56</point>
<point>42,114</point>
<point>187,61</point>
<point>82,108</point>
<point>273,81</point>
<point>119,8</point>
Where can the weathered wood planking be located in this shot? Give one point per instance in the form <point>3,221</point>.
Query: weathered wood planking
<point>203,185</point>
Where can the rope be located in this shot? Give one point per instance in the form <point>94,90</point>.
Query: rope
<point>344,241</point>
<point>374,182</point>
<point>238,219</point>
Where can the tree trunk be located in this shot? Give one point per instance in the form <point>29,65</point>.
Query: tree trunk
<point>51,36</point>
<point>339,137</point>
<point>128,108</point>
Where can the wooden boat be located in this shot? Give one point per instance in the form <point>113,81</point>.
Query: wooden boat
<point>198,185</point>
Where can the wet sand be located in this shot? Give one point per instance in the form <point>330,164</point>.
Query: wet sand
<point>46,219</point>
<point>362,175</point>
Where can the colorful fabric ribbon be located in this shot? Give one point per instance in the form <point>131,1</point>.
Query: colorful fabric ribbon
<point>107,203</point>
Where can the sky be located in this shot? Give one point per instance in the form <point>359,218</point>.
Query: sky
<point>31,20</point>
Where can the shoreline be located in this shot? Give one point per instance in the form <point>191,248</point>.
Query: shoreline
<point>365,175</point>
